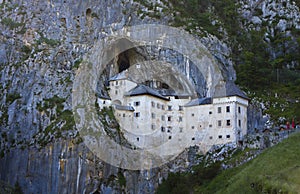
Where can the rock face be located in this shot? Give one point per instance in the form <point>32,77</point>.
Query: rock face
<point>42,43</point>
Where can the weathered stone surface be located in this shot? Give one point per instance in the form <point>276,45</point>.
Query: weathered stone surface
<point>42,44</point>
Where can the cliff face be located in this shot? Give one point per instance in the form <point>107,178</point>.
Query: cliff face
<point>42,43</point>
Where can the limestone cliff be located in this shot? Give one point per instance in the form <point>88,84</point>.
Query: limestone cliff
<point>42,44</point>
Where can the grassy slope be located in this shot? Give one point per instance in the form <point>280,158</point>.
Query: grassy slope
<point>274,171</point>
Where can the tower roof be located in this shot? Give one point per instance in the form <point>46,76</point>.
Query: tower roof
<point>233,90</point>
<point>120,76</point>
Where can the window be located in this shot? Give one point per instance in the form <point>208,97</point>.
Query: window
<point>169,118</point>
<point>162,117</point>
<point>153,115</point>
<point>180,119</point>
<point>228,122</point>
<point>240,123</point>
<point>169,108</point>
<point>138,139</point>
<point>162,129</point>
<point>170,137</point>
<point>219,123</point>
<point>136,114</point>
<point>228,136</point>
<point>104,102</point>
<point>210,112</point>
<point>210,125</point>
<point>112,84</point>
<point>227,108</point>
<point>116,83</point>
<point>193,127</point>
<point>158,106</point>
<point>180,108</point>
<point>193,139</point>
<point>193,114</point>
<point>116,92</point>
<point>152,104</point>
<point>123,114</point>
<point>152,126</point>
<point>169,129</point>
<point>180,129</point>
<point>219,109</point>
<point>239,109</point>
<point>137,103</point>
<point>163,107</point>
<point>210,137</point>
<point>220,136</point>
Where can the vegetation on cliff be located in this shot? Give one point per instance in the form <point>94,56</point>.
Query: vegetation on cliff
<point>266,58</point>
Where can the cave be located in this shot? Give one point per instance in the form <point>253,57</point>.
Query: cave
<point>123,62</point>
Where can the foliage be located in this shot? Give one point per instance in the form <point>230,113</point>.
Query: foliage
<point>267,63</point>
<point>12,97</point>
<point>11,23</point>
<point>274,171</point>
<point>185,182</point>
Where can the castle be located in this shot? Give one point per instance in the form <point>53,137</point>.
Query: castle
<point>150,114</point>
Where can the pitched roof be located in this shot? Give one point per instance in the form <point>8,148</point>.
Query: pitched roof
<point>103,96</point>
<point>120,107</point>
<point>233,90</point>
<point>142,89</point>
<point>199,101</point>
<point>120,76</point>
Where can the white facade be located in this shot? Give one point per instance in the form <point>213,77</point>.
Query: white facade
<point>148,119</point>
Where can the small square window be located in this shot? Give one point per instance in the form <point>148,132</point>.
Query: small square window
<point>158,105</point>
<point>169,108</point>
<point>153,104</point>
<point>137,103</point>
<point>220,136</point>
<point>210,125</point>
<point>180,119</point>
<point>138,139</point>
<point>116,92</point>
<point>227,108</point>
<point>239,109</point>
<point>169,129</point>
<point>193,139</point>
<point>180,108</point>
<point>163,107</point>
<point>169,118</point>
<point>228,136</point>
<point>219,123</point>
<point>193,114</point>
<point>153,115</point>
<point>116,83</point>
<point>228,122</point>
<point>123,114</point>
<point>162,129</point>
<point>170,137</point>
<point>210,112</point>
<point>180,129</point>
<point>136,114</point>
<point>193,127</point>
<point>152,126</point>
<point>162,117</point>
<point>210,137</point>
<point>240,123</point>
<point>219,109</point>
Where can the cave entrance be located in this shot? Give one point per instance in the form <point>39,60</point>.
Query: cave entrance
<point>123,61</point>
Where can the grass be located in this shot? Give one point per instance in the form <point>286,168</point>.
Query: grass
<point>276,170</point>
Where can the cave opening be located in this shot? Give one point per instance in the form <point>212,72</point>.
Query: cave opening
<point>123,62</point>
